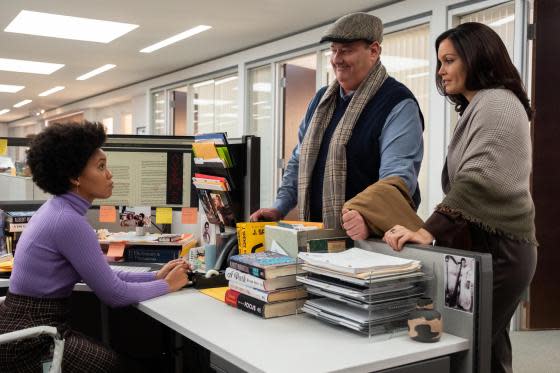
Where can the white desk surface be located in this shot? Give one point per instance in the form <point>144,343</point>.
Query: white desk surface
<point>296,343</point>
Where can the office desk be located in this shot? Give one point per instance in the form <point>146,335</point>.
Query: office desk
<point>296,343</point>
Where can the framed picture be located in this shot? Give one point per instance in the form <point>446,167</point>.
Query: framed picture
<point>141,130</point>
<point>459,279</point>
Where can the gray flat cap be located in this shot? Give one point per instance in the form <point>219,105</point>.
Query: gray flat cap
<point>353,27</point>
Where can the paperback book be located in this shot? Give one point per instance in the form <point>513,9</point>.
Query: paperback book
<point>261,308</point>
<point>297,292</point>
<point>266,264</point>
<point>233,275</point>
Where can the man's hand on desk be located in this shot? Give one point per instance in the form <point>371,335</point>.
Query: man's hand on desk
<point>175,273</point>
<point>354,225</point>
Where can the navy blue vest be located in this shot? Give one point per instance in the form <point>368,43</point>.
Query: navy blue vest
<point>362,151</point>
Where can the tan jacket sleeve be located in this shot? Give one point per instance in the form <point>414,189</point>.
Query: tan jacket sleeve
<point>385,204</point>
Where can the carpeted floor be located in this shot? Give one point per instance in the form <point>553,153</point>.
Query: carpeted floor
<point>536,351</point>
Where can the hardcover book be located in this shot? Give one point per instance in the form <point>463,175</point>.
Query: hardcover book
<point>297,292</point>
<point>266,264</point>
<point>151,254</point>
<point>260,308</point>
<point>259,283</point>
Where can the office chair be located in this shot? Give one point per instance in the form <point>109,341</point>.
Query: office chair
<point>56,365</point>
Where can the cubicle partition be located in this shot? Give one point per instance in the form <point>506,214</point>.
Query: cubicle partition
<point>474,325</point>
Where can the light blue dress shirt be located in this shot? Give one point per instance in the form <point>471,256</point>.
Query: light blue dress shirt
<point>401,152</point>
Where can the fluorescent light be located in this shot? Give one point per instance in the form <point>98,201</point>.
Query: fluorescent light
<point>51,91</point>
<point>225,80</point>
<point>66,27</point>
<point>8,88</point>
<point>95,72</point>
<point>502,21</point>
<point>22,103</point>
<point>23,66</point>
<point>4,111</point>
<point>183,35</point>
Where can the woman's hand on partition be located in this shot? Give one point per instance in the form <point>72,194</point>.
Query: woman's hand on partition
<point>354,225</point>
<point>397,236</point>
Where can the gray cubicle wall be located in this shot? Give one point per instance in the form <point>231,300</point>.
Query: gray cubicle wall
<point>477,327</point>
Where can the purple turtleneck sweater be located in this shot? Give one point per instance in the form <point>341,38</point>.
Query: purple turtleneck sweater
<point>59,248</point>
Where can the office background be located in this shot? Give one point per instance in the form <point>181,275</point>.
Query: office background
<point>255,70</point>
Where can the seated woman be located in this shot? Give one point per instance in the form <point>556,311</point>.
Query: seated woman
<point>59,248</point>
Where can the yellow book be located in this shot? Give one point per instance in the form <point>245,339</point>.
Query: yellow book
<point>251,236</point>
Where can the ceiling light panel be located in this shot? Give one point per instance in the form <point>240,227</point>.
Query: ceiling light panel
<point>183,35</point>
<point>95,72</point>
<point>4,111</point>
<point>32,67</point>
<point>51,91</point>
<point>8,88</point>
<point>66,27</point>
<point>22,103</point>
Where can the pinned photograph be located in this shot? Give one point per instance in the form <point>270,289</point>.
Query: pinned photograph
<point>459,280</point>
<point>207,231</point>
<point>135,216</point>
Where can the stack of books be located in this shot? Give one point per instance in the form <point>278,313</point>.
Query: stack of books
<point>367,292</point>
<point>264,284</point>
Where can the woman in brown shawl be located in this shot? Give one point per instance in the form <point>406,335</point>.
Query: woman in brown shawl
<point>488,205</point>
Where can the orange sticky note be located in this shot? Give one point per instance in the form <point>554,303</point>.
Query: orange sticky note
<point>107,214</point>
<point>189,215</point>
<point>116,249</point>
<point>164,215</point>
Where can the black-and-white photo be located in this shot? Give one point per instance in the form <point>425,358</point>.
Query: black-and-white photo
<point>459,279</point>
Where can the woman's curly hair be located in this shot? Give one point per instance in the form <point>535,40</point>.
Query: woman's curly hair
<point>61,152</point>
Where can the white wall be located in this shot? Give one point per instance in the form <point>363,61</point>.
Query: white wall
<point>4,129</point>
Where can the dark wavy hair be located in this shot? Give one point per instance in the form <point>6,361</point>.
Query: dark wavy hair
<point>61,151</point>
<point>487,63</point>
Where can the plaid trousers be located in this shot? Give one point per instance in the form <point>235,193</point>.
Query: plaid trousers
<point>81,353</point>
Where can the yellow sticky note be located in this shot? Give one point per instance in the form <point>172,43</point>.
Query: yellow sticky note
<point>116,249</point>
<point>107,214</point>
<point>189,215</point>
<point>216,293</point>
<point>3,146</point>
<point>164,215</point>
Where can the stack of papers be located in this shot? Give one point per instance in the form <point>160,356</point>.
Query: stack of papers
<point>360,263</point>
<point>362,290</point>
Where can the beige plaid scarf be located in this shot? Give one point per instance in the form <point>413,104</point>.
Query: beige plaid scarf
<point>334,182</point>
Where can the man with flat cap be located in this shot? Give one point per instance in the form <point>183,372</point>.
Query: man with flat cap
<point>362,128</point>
